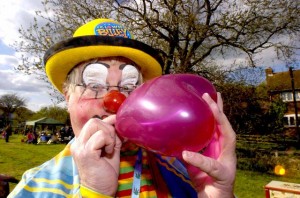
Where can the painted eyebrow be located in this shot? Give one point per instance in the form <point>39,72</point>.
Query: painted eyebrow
<point>121,67</point>
<point>106,65</point>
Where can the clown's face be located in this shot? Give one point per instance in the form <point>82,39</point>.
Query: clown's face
<point>93,80</point>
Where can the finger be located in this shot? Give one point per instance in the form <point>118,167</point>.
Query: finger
<point>208,165</point>
<point>102,140</point>
<point>110,119</point>
<point>214,107</point>
<point>92,126</point>
<point>220,101</point>
<point>228,136</point>
<point>217,110</point>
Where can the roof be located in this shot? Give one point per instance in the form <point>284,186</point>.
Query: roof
<point>282,80</point>
<point>48,121</point>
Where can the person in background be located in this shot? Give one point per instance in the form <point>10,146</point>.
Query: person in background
<point>103,56</point>
<point>30,137</point>
<point>3,134</point>
<point>8,132</point>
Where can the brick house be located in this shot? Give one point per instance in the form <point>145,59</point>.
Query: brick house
<point>280,85</point>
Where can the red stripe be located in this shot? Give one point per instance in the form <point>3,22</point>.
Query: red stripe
<point>147,188</point>
<point>124,193</point>
<point>146,172</point>
<point>144,188</point>
<point>126,175</point>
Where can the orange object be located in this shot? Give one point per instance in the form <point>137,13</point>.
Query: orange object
<point>279,170</point>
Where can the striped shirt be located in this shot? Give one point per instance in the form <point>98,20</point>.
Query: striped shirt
<point>161,177</point>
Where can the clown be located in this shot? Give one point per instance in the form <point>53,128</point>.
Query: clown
<point>103,56</point>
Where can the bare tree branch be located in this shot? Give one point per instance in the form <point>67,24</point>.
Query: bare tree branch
<point>188,34</point>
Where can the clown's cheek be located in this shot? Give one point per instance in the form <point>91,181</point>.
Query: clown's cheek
<point>83,111</point>
<point>82,115</point>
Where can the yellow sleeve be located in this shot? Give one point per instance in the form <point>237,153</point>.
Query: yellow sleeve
<point>86,192</point>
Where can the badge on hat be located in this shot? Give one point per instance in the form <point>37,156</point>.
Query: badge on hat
<point>111,29</point>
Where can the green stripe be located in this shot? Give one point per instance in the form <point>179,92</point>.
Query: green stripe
<point>129,153</point>
<point>126,170</point>
<point>129,185</point>
<point>125,186</point>
<point>153,196</point>
<point>146,182</point>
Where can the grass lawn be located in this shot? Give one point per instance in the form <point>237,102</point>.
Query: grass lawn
<point>16,157</point>
<point>251,184</point>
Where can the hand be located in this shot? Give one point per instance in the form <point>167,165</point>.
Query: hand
<point>96,152</point>
<point>215,177</point>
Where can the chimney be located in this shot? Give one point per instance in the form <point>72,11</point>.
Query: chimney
<point>269,72</point>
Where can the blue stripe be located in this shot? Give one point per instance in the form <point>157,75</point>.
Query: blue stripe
<point>177,187</point>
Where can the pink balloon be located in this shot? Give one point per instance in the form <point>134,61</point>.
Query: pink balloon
<point>167,115</point>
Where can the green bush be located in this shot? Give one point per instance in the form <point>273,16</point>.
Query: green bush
<point>260,163</point>
<point>259,158</point>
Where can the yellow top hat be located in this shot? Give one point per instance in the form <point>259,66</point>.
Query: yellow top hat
<point>95,39</point>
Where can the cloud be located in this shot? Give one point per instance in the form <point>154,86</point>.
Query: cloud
<point>13,15</point>
<point>18,82</point>
<point>12,80</point>
<point>16,13</point>
<point>25,86</point>
<point>8,62</point>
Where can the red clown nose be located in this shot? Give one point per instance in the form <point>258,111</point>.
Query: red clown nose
<point>113,100</point>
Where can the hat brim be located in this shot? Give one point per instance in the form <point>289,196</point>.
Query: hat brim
<point>62,57</point>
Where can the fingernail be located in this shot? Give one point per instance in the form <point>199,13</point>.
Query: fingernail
<point>187,154</point>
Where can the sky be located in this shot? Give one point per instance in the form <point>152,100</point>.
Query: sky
<point>13,14</point>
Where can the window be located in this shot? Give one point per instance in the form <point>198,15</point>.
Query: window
<point>288,96</point>
<point>290,120</point>
<point>297,95</point>
<point>285,121</point>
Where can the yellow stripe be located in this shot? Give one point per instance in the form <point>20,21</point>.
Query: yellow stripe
<point>173,171</point>
<point>143,177</point>
<point>125,164</point>
<point>86,192</point>
<point>62,154</point>
<point>148,194</point>
<point>56,181</point>
<point>125,181</point>
<point>126,196</point>
<point>52,190</point>
<point>169,159</point>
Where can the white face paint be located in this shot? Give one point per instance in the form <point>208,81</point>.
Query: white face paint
<point>130,75</point>
<point>95,73</point>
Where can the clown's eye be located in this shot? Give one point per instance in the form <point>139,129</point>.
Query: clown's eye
<point>95,87</point>
<point>127,88</point>
<point>95,73</point>
<point>130,76</point>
